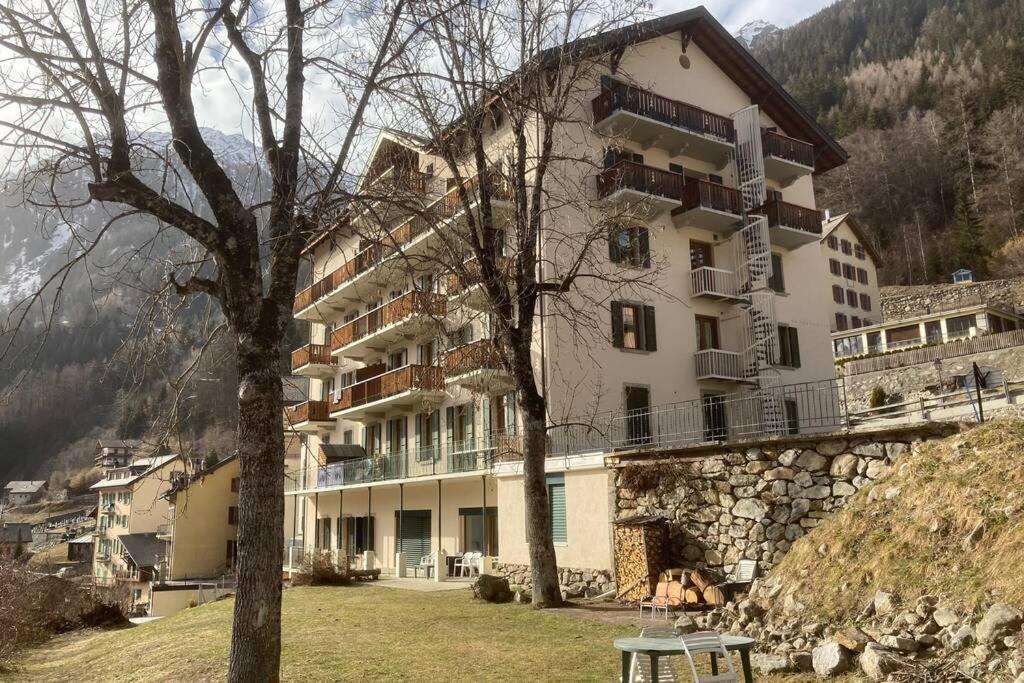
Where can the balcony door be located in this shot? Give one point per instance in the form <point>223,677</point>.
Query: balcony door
<point>707,332</point>
<point>638,415</point>
<point>702,254</point>
<point>716,427</point>
<point>412,529</point>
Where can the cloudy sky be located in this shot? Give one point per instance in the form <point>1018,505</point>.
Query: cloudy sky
<point>735,13</point>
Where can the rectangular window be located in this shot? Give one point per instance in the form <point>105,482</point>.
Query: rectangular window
<point>556,508</point>
<point>858,251</point>
<point>865,302</point>
<point>833,242</point>
<point>847,248</point>
<point>676,168</point>
<point>630,246</point>
<point>851,298</point>
<point>848,272</point>
<point>777,282</point>
<point>834,267</point>
<point>638,414</point>
<point>789,347</point>
<point>233,515</point>
<point>961,325</point>
<point>633,327</point>
<point>837,294</point>
<point>862,276</point>
<point>701,255</point>
<point>234,485</point>
<point>848,346</point>
<point>231,554</point>
<point>792,416</point>
<point>707,332</point>
<point>841,323</point>
<point>855,322</point>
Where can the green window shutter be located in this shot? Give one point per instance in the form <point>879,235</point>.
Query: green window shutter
<point>485,421</point>
<point>650,333</point>
<point>556,506</point>
<point>617,340</point>
<point>449,423</point>
<point>794,347</point>
<point>418,443</point>
<point>510,412</point>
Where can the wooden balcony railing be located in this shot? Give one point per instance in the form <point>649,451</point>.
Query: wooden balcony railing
<point>412,303</point>
<point>473,274</point>
<point>634,176</point>
<point>786,215</point>
<point>478,355</point>
<point>308,411</point>
<point>777,145</point>
<point>312,354</point>
<point>703,194</point>
<point>372,252</point>
<point>392,383</point>
<point>662,109</point>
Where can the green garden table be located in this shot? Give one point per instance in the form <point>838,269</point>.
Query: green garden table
<point>668,647</point>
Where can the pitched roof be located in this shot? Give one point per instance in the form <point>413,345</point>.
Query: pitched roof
<point>24,486</point>
<point>84,539</point>
<point>144,549</point>
<point>830,226</point>
<point>139,469</point>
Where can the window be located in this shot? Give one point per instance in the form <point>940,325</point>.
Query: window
<point>234,485</point>
<point>676,168</point>
<point>233,515</point>
<point>855,322</point>
<point>638,414</point>
<point>428,436</point>
<point>479,534</point>
<point>346,437</point>
<point>841,323</point>
<point>847,248</point>
<point>851,298</point>
<point>773,195</point>
<point>630,246</point>
<point>961,325</point>
<point>792,416</point>
<point>633,327</point>
<point>848,272</point>
<point>865,302</point>
<point>862,276</point>
<point>231,554</point>
<point>613,156</point>
<point>777,282</point>
<point>848,346</point>
<point>556,508</point>
<point>858,251</point>
<point>707,332</point>
<point>397,360</point>
<point>834,267</point>
<point>702,255</point>
<point>833,242</point>
<point>837,294</point>
<point>789,347</point>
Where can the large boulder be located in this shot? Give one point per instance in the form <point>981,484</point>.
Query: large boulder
<point>877,663</point>
<point>884,603</point>
<point>750,508</point>
<point>852,639</point>
<point>944,617</point>
<point>492,588</point>
<point>830,659</point>
<point>1000,621</point>
<point>768,664</point>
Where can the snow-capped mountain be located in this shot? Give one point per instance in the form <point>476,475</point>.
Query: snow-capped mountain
<point>753,33</point>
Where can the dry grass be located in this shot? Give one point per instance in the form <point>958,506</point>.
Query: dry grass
<point>914,544</point>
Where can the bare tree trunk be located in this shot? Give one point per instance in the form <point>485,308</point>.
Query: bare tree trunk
<point>256,645</point>
<point>543,565</point>
<point>967,146</point>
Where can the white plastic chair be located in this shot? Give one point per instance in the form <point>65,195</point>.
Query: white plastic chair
<point>476,563</point>
<point>709,643</point>
<point>640,666</point>
<point>464,564</point>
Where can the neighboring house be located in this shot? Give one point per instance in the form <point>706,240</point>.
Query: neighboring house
<point>24,492</point>
<point>853,265</point>
<point>80,549</point>
<point>15,538</point>
<point>131,503</point>
<point>941,325</point>
<point>111,454</point>
<point>404,421</point>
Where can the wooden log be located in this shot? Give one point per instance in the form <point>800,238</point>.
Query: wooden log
<point>700,579</point>
<point>692,596</point>
<point>713,595</point>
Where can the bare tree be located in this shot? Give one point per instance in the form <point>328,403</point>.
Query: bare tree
<point>502,92</point>
<point>83,84</point>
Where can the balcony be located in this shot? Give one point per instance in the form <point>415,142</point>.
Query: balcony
<point>163,532</point>
<point>396,191</point>
<point>653,120</point>
<point>717,364</point>
<point>376,264</point>
<point>709,206</point>
<point>410,387</point>
<point>786,158</point>
<point>477,366</point>
<point>714,283</point>
<point>636,187</point>
<point>406,317</point>
<point>314,360</point>
<point>789,225</point>
<point>467,289</point>
<point>309,416</point>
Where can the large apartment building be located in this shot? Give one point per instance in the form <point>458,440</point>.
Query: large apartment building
<point>408,435</point>
<point>853,265</point>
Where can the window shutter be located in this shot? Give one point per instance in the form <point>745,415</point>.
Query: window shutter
<point>613,244</point>
<point>510,413</point>
<point>645,247</point>
<point>470,421</point>
<point>617,341</point>
<point>485,427</point>
<point>650,335</point>
<point>435,433</point>
<point>449,421</point>
<point>556,504</point>
<point>794,347</point>
<point>417,444</point>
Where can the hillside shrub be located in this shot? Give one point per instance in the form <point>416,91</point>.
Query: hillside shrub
<point>878,397</point>
<point>317,569</point>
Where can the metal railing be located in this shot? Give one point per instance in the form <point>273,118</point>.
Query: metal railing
<point>704,194</point>
<point>662,109</point>
<point>784,147</point>
<point>785,215</point>
<point>719,364</point>
<point>708,281</point>
<point>646,179</point>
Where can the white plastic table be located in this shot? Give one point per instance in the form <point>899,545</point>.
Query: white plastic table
<point>667,647</point>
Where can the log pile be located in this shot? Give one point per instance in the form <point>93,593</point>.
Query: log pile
<point>641,551</point>
<point>698,588</point>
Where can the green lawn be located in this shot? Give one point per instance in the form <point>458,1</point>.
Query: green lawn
<point>349,633</point>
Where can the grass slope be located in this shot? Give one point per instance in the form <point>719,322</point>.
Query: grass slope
<point>920,541</point>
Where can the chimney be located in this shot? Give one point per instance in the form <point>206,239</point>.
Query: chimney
<point>828,215</point>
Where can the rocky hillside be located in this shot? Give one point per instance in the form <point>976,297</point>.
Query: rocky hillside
<point>919,577</point>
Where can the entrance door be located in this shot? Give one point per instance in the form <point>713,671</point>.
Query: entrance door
<point>638,415</point>
<point>716,426</point>
<point>412,529</point>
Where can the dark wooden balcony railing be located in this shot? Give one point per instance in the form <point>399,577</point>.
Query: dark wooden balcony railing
<point>634,176</point>
<point>392,383</point>
<point>672,112</point>
<point>777,145</point>
<point>786,215</point>
<point>412,303</point>
<point>478,355</point>
<point>703,194</point>
<point>372,252</point>
<point>316,411</point>
<point>312,354</point>
<point>473,274</point>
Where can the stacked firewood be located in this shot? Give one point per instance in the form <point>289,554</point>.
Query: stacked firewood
<point>641,550</point>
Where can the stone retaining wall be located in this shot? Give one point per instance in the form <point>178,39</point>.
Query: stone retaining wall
<point>575,583</point>
<point>903,302</point>
<point>728,503</point>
